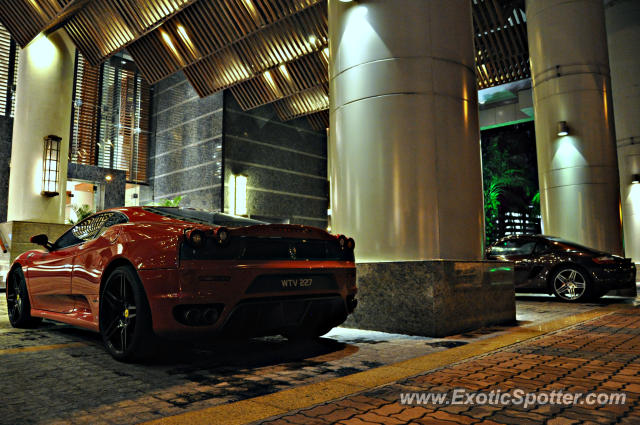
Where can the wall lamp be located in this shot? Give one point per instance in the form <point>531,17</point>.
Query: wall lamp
<point>635,178</point>
<point>238,194</point>
<point>563,128</point>
<point>51,166</point>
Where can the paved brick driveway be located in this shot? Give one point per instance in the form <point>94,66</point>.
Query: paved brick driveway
<point>59,374</point>
<point>602,355</point>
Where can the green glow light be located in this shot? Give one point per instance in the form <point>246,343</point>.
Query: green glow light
<point>504,124</point>
<point>497,269</point>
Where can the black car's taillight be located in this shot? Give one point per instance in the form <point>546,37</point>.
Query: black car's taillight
<point>605,259</point>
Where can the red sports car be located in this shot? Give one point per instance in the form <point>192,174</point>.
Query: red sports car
<point>134,273</point>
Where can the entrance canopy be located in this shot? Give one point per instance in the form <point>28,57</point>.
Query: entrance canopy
<point>263,50</point>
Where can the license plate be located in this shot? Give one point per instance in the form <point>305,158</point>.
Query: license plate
<point>303,282</point>
<point>280,283</point>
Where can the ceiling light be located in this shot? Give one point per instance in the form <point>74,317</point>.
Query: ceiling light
<point>284,71</point>
<point>182,32</point>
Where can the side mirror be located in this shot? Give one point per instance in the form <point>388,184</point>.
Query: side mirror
<point>41,240</point>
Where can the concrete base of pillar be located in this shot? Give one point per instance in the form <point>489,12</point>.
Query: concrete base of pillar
<point>16,235</point>
<point>433,298</point>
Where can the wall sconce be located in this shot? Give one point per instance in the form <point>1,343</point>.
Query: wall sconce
<point>635,178</point>
<point>238,194</point>
<point>51,166</point>
<point>563,128</point>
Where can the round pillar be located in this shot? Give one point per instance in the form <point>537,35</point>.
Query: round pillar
<point>43,107</point>
<point>404,143</point>
<point>578,173</point>
<point>623,34</point>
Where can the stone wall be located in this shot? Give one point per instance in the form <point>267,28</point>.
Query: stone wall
<point>6,131</point>
<point>114,190</point>
<point>286,164</point>
<point>186,144</point>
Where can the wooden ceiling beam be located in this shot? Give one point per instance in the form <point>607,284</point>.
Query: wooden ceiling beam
<point>66,14</point>
<point>288,79</point>
<point>104,27</point>
<point>499,43</point>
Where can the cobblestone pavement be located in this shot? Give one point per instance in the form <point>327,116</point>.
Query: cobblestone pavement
<point>601,355</point>
<point>60,374</point>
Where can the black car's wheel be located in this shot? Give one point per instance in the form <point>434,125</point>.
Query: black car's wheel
<point>571,283</point>
<point>125,317</point>
<point>18,305</point>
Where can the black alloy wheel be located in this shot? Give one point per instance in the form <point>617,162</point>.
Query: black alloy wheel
<point>125,317</point>
<point>18,305</point>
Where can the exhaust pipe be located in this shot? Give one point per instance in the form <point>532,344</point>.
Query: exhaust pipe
<point>192,316</point>
<point>210,316</point>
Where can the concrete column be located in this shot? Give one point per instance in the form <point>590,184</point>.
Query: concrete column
<point>623,34</point>
<point>406,179</point>
<point>578,173</point>
<point>43,107</point>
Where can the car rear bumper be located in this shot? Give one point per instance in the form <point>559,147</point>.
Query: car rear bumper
<point>248,299</point>
<point>616,278</point>
<point>273,316</point>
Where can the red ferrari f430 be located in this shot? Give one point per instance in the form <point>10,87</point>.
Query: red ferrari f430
<point>135,273</point>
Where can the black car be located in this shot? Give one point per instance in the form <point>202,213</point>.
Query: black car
<point>553,265</point>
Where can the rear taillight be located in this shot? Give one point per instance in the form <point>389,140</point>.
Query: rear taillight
<point>196,238</point>
<point>222,236</point>
<point>346,246</point>
<point>351,244</point>
<point>605,259</point>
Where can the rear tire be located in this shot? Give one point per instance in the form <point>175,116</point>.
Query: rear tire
<point>18,305</point>
<point>125,316</point>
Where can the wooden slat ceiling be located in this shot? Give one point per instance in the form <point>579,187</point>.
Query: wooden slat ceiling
<point>502,52</point>
<point>265,51</point>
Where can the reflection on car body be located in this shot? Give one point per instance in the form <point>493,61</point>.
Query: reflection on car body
<point>570,271</point>
<point>133,273</point>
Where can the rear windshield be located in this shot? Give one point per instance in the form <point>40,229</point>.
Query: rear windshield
<point>204,217</point>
